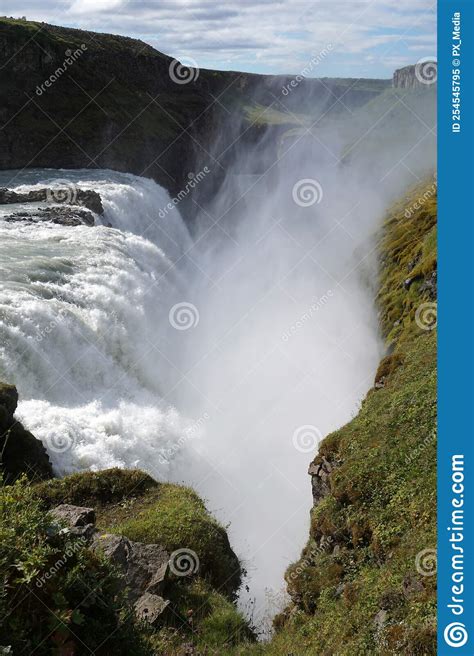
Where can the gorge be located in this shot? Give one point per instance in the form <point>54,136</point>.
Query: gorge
<point>214,339</point>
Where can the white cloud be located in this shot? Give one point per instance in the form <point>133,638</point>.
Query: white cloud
<point>269,35</point>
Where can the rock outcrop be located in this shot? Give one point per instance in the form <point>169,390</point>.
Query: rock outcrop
<point>69,206</point>
<point>71,195</point>
<point>320,471</point>
<point>416,76</point>
<point>144,567</point>
<point>20,451</point>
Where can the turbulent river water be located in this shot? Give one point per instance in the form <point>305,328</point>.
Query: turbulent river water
<point>133,345</point>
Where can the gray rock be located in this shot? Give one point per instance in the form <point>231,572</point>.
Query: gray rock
<point>412,585</point>
<point>340,589</point>
<point>68,196</point>
<point>150,607</point>
<point>380,619</point>
<point>86,532</point>
<point>148,567</point>
<point>114,547</point>
<point>144,566</point>
<point>430,286</point>
<point>74,515</point>
<point>320,470</point>
<point>68,216</point>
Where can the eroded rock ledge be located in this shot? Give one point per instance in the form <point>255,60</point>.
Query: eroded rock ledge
<point>67,206</point>
<point>145,568</point>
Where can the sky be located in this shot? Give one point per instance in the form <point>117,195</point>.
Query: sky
<point>334,38</point>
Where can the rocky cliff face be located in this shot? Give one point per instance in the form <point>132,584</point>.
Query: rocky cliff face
<point>416,76</point>
<point>73,99</point>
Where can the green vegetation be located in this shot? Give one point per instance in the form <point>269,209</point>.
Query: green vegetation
<point>97,489</point>
<point>131,503</point>
<point>57,596</point>
<point>204,618</point>
<point>175,517</point>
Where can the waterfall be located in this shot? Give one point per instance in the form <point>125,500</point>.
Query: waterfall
<point>218,362</point>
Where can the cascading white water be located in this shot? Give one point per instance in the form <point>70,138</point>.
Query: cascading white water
<point>274,346</point>
<point>81,309</point>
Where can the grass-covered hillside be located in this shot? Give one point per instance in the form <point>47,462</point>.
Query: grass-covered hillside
<point>62,597</point>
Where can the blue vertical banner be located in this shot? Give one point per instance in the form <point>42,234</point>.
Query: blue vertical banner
<point>456,327</point>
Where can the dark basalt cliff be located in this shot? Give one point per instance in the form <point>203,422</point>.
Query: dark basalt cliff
<point>74,99</point>
<point>416,76</point>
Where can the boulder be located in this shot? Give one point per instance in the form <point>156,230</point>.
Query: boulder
<point>74,515</point>
<point>144,566</point>
<point>20,451</point>
<point>149,607</point>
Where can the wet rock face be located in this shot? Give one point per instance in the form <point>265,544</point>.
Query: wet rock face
<point>69,207</point>
<point>68,196</point>
<point>20,451</point>
<point>67,216</point>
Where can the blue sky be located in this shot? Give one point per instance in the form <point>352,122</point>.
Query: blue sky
<point>346,38</point>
